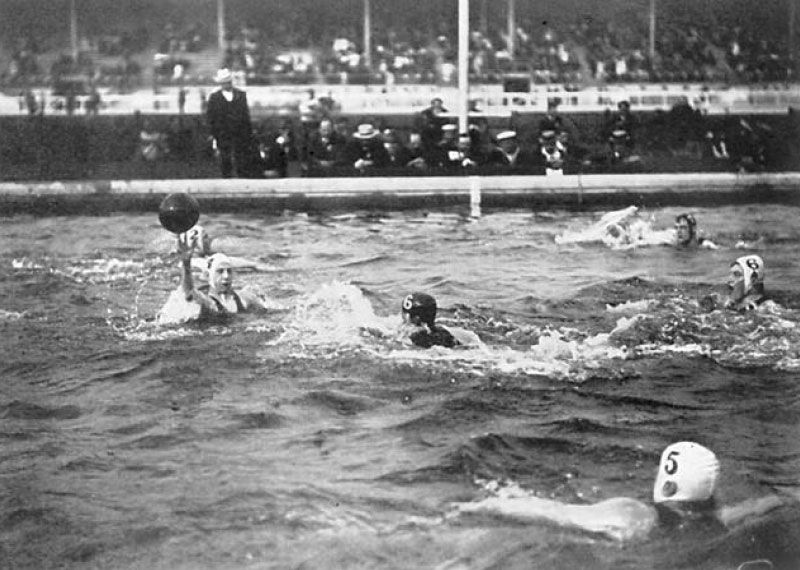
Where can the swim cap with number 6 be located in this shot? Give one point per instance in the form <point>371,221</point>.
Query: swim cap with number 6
<point>687,472</point>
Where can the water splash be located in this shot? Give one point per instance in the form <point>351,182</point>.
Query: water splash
<point>10,315</point>
<point>768,337</point>
<point>620,229</point>
<point>339,315</point>
<point>94,271</point>
<point>560,354</point>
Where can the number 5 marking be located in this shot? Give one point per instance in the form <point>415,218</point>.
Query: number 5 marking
<point>671,466</point>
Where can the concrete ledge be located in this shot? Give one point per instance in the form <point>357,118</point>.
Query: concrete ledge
<point>327,194</point>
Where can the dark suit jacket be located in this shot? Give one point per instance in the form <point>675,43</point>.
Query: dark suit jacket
<point>229,122</point>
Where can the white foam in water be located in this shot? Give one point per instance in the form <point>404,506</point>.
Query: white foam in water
<point>177,310</point>
<point>552,356</point>
<point>337,314</point>
<point>94,270</point>
<point>10,315</point>
<point>620,229</point>
<point>767,337</point>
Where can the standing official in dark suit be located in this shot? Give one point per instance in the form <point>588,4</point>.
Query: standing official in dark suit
<point>229,122</point>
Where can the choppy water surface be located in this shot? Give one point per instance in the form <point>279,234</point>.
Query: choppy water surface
<point>311,438</point>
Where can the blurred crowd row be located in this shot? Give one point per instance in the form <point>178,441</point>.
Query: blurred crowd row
<point>588,49</point>
<point>432,145</point>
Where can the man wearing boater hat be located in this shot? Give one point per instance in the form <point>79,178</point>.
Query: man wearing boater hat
<point>365,151</point>
<point>228,118</point>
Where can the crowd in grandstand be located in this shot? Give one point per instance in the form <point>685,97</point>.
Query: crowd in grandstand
<point>589,49</point>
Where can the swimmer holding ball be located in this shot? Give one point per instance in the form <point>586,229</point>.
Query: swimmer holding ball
<point>178,213</point>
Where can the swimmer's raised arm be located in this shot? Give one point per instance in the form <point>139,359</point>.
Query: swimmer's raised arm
<point>185,253</point>
<point>190,293</point>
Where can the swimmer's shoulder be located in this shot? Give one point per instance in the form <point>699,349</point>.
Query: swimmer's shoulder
<point>252,301</point>
<point>434,336</point>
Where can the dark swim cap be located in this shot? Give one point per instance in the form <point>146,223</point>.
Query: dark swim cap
<point>689,220</point>
<point>420,305</point>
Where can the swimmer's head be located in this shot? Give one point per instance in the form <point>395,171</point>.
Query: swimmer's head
<point>685,229</point>
<point>199,240</point>
<point>220,273</point>
<point>687,474</point>
<point>419,308</point>
<point>746,277</point>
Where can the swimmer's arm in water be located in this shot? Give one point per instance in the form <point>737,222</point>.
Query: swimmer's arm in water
<point>706,243</point>
<point>620,518</point>
<point>734,514</point>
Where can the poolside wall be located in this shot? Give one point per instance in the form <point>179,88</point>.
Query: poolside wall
<point>268,197</point>
<point>105,147</point>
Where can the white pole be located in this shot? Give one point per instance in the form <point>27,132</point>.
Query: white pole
<point>792,58</point>
<point>73,30</point>
<point>652,31</point>
<point>463,65</point>
<point>367,34</point>
<point>221,24</point>
<point>512,30</point>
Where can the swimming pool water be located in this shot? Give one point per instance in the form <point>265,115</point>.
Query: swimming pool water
<point>311,438</point>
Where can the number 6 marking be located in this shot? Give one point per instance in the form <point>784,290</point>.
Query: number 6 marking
<point>671,466</point>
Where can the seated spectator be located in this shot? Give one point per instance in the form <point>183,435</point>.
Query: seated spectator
<point>398,154</point>
<point>624,122</point>
<point>508,153</point>
<point>460,154</point>
<point>152,143</point>
<point>620,129</point>
<point>431,121</point>
<point>553,152</point>
<point>552,121</point>
<point>419,157</point>
<point>275,152</point>
<point>716,145</point>
<point>325,148</point>
<point>366,151</point>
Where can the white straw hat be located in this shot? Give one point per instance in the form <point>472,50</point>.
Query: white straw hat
<point>223,76</point>
<point>504,135</point>
<point>687,472</point>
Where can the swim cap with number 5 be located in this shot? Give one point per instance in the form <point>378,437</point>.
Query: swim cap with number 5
<point>687,472</point>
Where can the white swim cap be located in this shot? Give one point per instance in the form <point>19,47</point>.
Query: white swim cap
<point>687,472</point>
<point>753,271</point>
<point>215,260</point>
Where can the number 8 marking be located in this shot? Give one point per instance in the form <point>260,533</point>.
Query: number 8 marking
<point>671,466</point>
